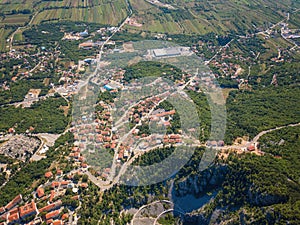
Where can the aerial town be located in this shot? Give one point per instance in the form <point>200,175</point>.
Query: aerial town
<point>92,90</point>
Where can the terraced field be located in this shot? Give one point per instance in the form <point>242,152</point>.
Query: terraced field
<point>7,6</point>
<point>4,33</point>
<point>189,17</point>
<point>102,11</point>
<point>98,14</point>
<point>19,19</point>
<point>214,15</point>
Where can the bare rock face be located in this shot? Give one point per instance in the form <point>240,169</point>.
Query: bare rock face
<point>258,198</point>
<point>195,220</point>
<point>197,184</point>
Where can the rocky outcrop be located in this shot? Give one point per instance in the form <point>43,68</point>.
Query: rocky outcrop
<point>198,184</point>
<point>194,220</point>
<point>258,198</point>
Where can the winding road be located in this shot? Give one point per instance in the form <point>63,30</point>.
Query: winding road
<point>256,138</point>
<point>19,28</point>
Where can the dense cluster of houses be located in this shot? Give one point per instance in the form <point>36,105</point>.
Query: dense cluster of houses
<point>44,207</point>
<point>136,113</point>
<point>29,214</point>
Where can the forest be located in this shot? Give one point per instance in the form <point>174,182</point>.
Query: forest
<point>44,116</point>
<point>272,191</point>
<point>250,112</point>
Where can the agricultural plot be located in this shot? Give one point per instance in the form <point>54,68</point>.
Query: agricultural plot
<point>7,6</point>
<point>294,20</point>
<point>206,16</point>
<point>4,34</point>
<point>109,13</point>
<point>19,19</point>
<point>72,3</point>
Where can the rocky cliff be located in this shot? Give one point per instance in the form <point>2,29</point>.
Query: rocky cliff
<point>198,184</point>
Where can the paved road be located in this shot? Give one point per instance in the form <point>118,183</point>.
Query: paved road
<point>152,203</point>
<point>256,138</point>
<point>218,52</point>
<point>13,34</point>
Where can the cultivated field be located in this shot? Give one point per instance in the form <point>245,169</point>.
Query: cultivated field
<point>218,16</point>
<point>105,13</point>
<point>18,19</point>
<point>189,16</point>
<point>4,33</point>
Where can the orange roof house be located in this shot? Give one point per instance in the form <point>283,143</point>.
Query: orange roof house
<point>52,215</point>
<point>59,172</point>
<point>84,185</point>
<point>13,202</point>
<point>28,209</point>
<point>13,218</point>
<point>40,192</point>
<point>84,165</point>
<point>14,210</point>
<point>52,195</point>
<point>2,210</point>
<point>55,184</point>
<point>65,216</point>
<point>57,222</point>
<point>51,206</point>
<point>251,148</point>
<point>64,183</point>
<point>4,217</point>
<point>11,130</point>
<point>49,221</point>
<point>48,174</point>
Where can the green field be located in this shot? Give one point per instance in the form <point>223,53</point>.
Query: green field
<point>6,6</point>
<point>4,33</point>
<point>190,16</point>
<point>218,16</point>
<point>98,14</point>
<point>98,11</point>
<point>18,19</point>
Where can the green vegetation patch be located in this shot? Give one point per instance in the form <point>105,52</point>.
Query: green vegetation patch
<point>45,116</point>
<point>251,112</point>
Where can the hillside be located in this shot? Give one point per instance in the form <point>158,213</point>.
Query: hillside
<point>182,17</point>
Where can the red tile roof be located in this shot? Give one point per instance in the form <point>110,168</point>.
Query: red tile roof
<point>13,217</point>
<point>13,202</point>
<point>48,174</point>
<point>13,211</point>
<point>53,214</point>
<point>4,216</point>
<point>57,222</point>
<point>49,221</point>
<point>2,210</point>
<point>174,136</point>
<point>64,182</point>
<point>40,192</point>
<point>251,148</point>
<point>84,185</point>
<point>27,209</point>
<point>51,206</point>
<point>55,184</point>
<point>65,216</point>
<point>52,195</point>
